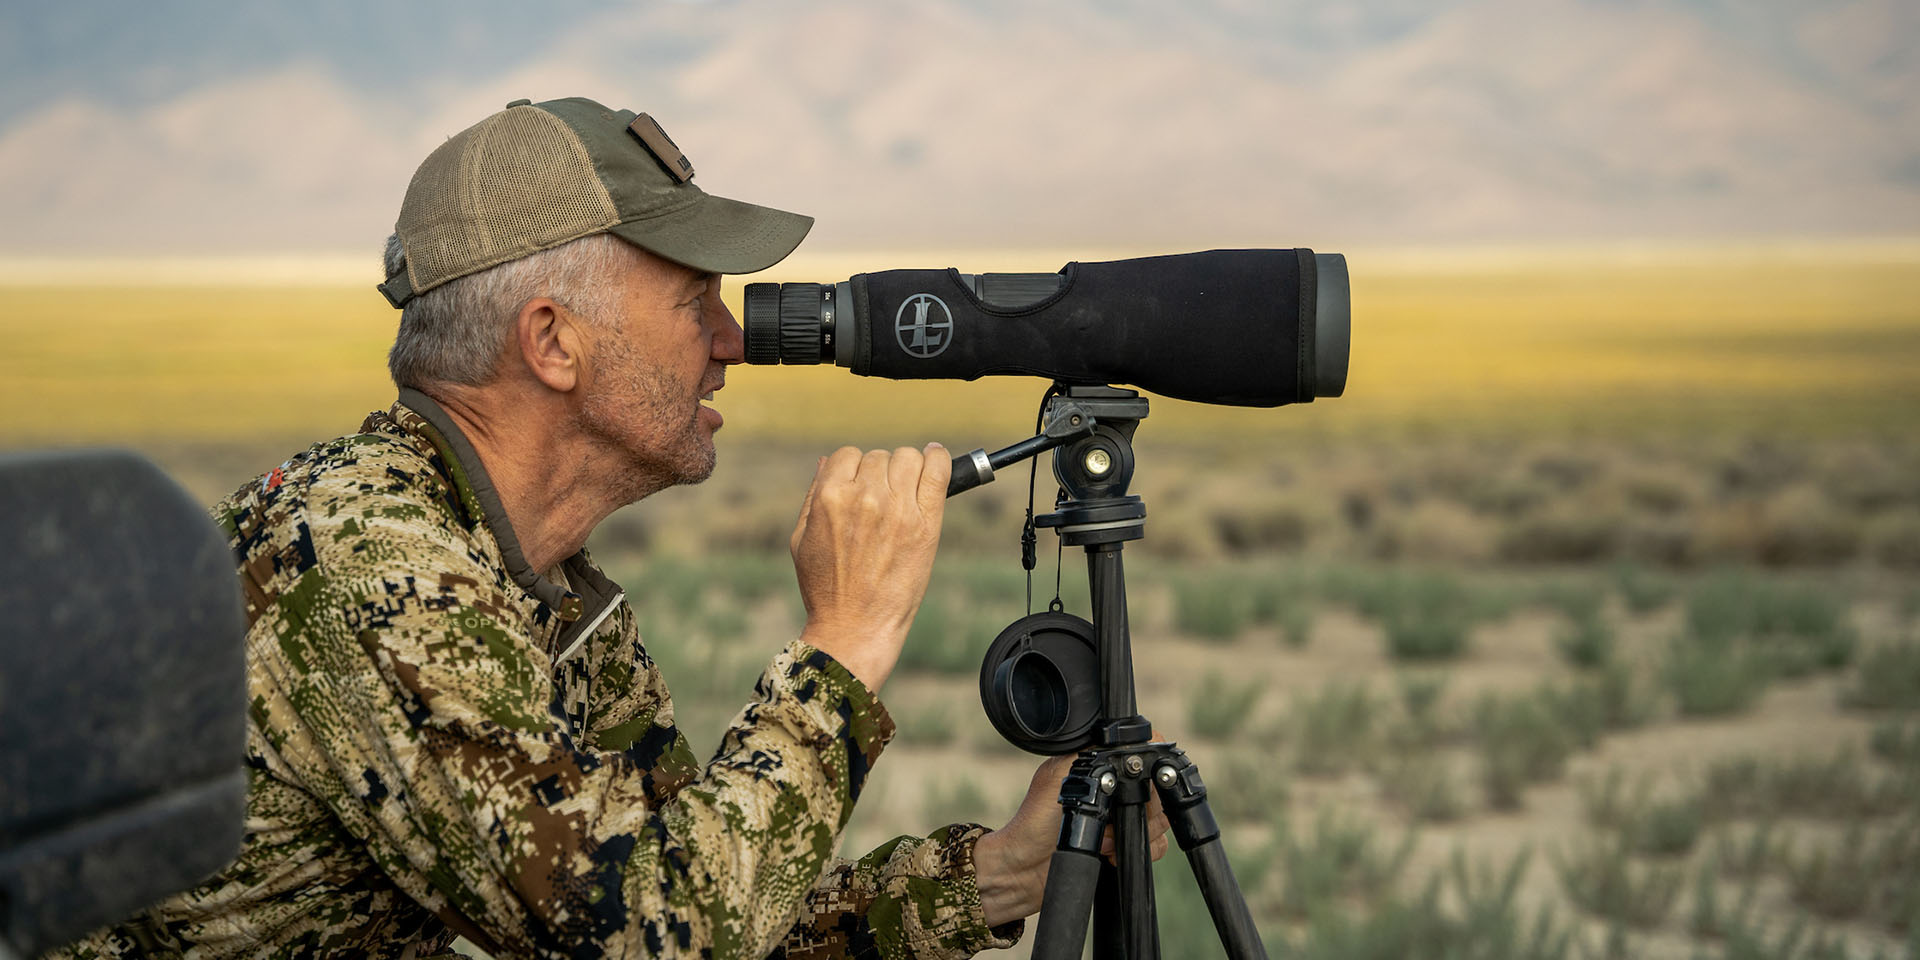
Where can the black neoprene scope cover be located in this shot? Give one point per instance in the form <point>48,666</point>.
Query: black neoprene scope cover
<point>1224,326</point>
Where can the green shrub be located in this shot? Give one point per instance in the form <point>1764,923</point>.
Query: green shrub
<point>1889,677</point>
<point>1186,928</point>
<point>929,725</point>
<point>1667,828</point>
<point>1217,709</point>
<point>1578,708</point>
<point>1422,783</point>
<point>1607,803</point>
<point>1469,914</point>
<point>722,625</point>
<point>1586,641</point>
<point>1246,787</point>
<point>1836,787</point>
<point>1622,706</point>
<point>940,642</point>
<point>1896,742</point>
<point>1709,917</point>
<point>959,800</point>
<point>1422,927</point>
<point>1574,599</point>
<point>1746,938</point>
<point>1800,654</point>
<point>994,582</point>
<point>1425,616</point>
<point>1333,729</point>
<point>1519,744</point>
<point>1215,607</point>
<point>1713,678</point>
<point>1836,882</point>
<point>1642,590</point>
<point>1736,787</point>
<point>1420,693</point>
<point>1490,922</point>
<point>1600,878</point>
<point>1412,637</point>
<point>1296,624</point>
<point>1420,726</point>
<point>1759,852</point>
<point>1274,596</point>
<point>1339,860</point>
<point>752,577</point>
<point>668,586</point>
<point>1787,629</point>
<point>1662,828</point>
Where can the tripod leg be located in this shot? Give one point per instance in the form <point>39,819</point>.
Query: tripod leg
<point>1130,847</point>
<point>1185,798</point>
<point>1061,929</point>
<point>1225,903</point>
<point>1109,921</point>
<point>1074,872</point>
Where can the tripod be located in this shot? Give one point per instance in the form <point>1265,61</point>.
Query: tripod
<point>1118,768</point>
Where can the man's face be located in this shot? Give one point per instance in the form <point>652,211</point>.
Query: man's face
<point>666,348</point>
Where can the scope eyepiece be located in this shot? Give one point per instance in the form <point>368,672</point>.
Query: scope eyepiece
<point>790,322</point>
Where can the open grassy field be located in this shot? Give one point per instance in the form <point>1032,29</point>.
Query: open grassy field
<point>1604,343</point>
<point>1586,624</point>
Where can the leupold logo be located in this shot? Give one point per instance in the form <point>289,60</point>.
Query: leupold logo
<point>923,325</point>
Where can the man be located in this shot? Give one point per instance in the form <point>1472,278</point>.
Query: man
<point>455,726</point>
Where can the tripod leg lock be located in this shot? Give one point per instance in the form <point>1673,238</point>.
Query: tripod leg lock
<point>1085,797</point>
<point>1184,796</point>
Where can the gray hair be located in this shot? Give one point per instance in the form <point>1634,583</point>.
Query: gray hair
<point>456,332</point>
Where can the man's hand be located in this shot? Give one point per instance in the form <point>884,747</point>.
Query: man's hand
<point>863,550</point>
<point>1012,862</point>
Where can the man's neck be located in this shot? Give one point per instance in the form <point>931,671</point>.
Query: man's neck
<point>553,481</point>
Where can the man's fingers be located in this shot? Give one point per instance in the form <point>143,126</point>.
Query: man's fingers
<point>873,467</point>
<point>841,467</point>
<point>934,477</point>
<point>903,472</point>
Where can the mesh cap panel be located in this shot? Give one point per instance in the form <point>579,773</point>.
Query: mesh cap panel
<point>514,184</point>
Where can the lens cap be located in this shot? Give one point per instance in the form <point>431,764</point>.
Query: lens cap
<point>1040,683</point>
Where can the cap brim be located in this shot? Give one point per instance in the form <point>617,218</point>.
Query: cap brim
<point>719,235</point>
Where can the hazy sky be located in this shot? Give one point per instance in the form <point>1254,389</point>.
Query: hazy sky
<point>197,127</point>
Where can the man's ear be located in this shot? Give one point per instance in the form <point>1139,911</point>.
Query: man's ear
<point>551,343</point>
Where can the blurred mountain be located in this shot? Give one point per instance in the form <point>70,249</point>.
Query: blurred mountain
<point>202,126</point>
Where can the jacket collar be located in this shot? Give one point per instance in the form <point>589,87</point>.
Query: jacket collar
<point>479,498</point>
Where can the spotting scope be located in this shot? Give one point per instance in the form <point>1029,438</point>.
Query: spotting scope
<point>1249,328</point>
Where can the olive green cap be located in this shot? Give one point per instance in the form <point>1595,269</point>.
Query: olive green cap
<point>537,175</point>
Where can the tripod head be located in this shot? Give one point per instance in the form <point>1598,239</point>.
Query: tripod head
<point>1053,683</point>
<point>1095,469</point>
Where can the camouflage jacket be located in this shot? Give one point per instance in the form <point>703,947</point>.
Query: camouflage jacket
<point>443,741</point>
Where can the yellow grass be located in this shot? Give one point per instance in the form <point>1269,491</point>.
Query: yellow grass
<point>1784,339</point>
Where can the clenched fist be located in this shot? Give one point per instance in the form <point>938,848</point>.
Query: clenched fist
<point>863,550</point>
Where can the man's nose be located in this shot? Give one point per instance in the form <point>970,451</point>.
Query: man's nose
<point>729,342</point>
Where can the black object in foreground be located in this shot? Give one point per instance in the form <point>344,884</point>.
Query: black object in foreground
<point>122,694</point>
<point>1251,328</point>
